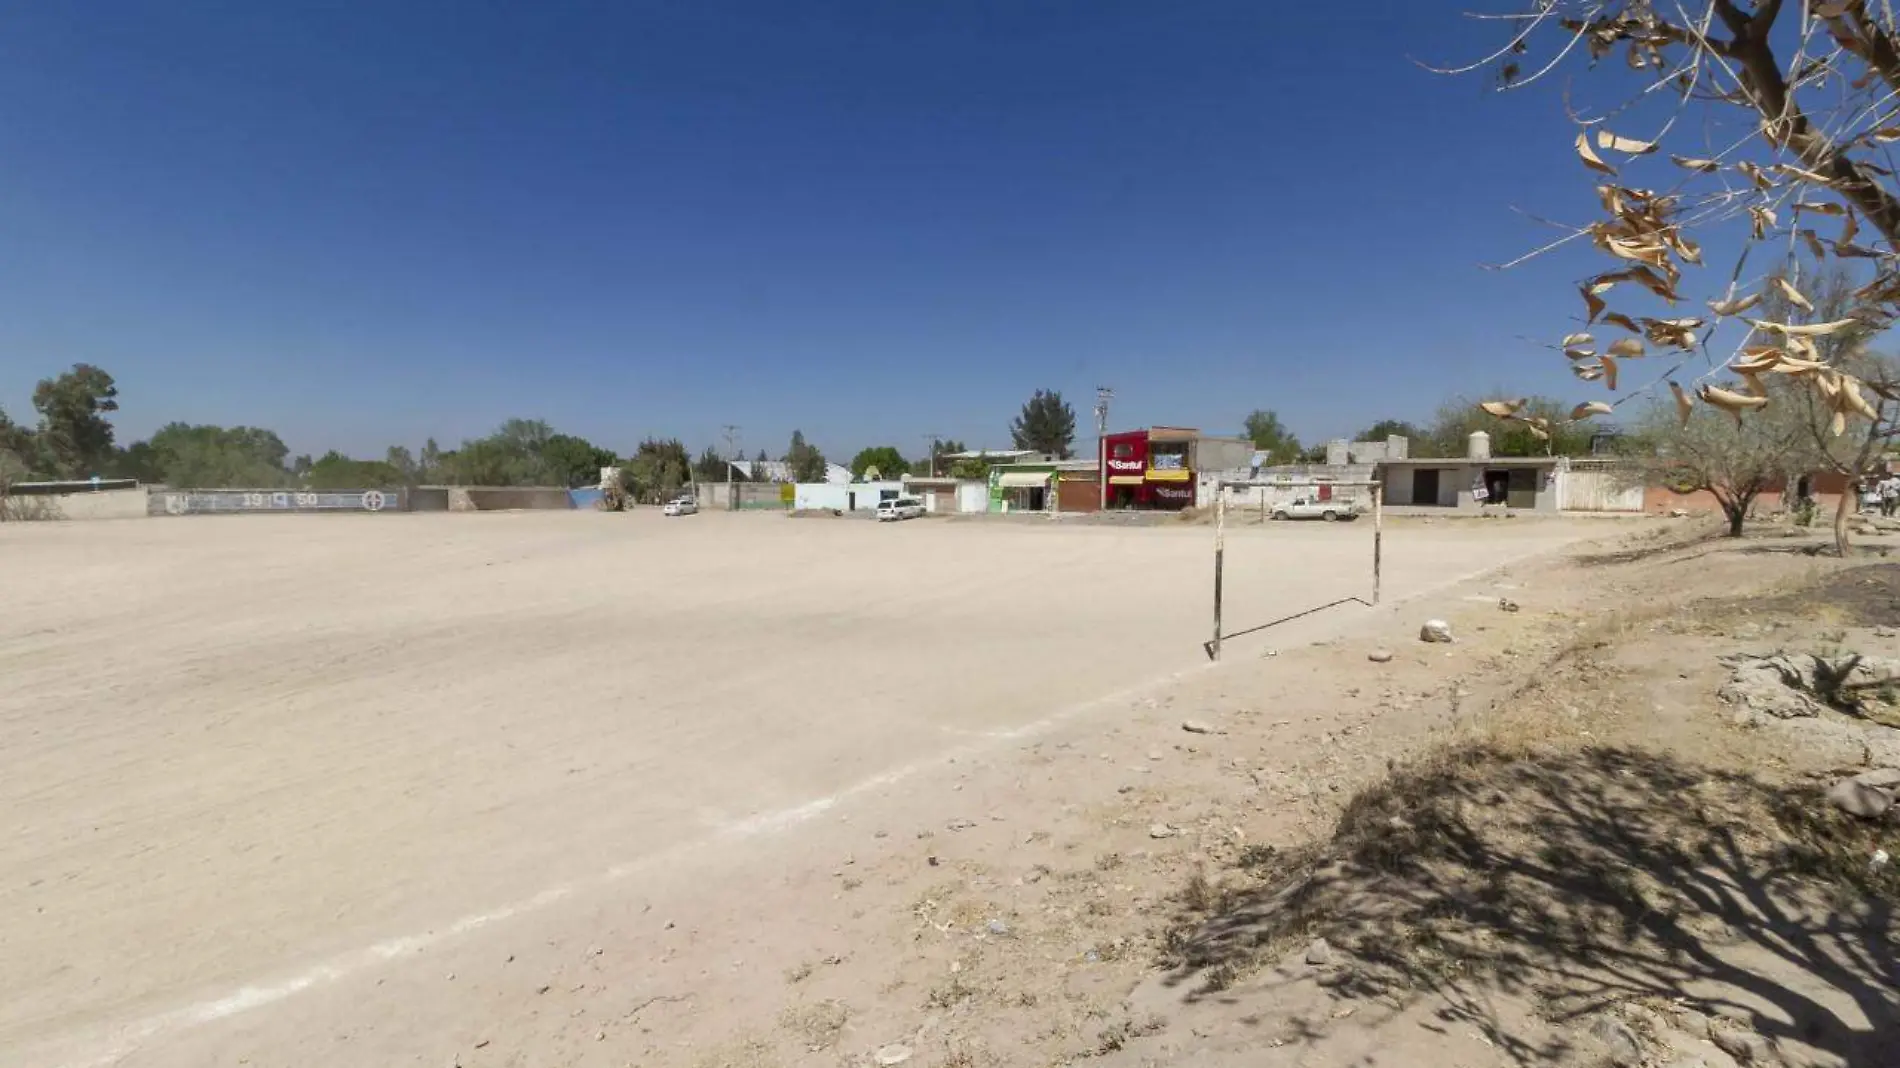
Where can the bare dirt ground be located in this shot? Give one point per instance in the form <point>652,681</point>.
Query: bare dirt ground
<point>559,789</point>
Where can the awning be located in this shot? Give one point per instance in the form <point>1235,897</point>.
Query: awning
<point>1174,474</point>
<point>1125,480</point>
<point>1023,479</point>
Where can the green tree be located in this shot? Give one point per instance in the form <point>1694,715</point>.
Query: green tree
<point>806,462</point>
<point>399,458</point>
<point>1386,428</point>
<point>886,460</point>
<point>710,467</point>
<point>1272,437</point>
<point>429,463</point>
<point>335,471</point>
<point>658,470</point>
<point>74,437</point>
<point>215,457</point>
<point>1046,424</point>
<point>1456,419</point>
<point>934,462</point>
<point>572,461</point>
<point>21,444</point>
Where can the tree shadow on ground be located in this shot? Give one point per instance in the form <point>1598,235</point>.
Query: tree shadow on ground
<point>1573,883</point>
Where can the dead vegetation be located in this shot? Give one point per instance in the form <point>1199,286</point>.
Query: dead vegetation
<point>1535,862</point>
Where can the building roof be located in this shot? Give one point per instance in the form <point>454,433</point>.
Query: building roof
<point>986,454</point>
<point>1466,461</point>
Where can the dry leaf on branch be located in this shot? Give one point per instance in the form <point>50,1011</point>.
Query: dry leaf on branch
<point>1624,321</point>
<point>1794,295</point>
<point>1608,140</point>
<point>1803,329</point>
<point>1815,248</point>
<point>1702,165</point>
<point>1684,407</point>
<point>1757,175</point>
<point>1501,409</point>
<point>1589,156</point>
<point>1832,10</point>
<point>1608,363</point>
<point>1734,307</point>
<point>1820,207</point>
<point>1729,401</point>
<point>1573,340</point>
<point>1886,134</point>
<point>1590,408</point>
<point>1626,347</point>
<point>1760,220</point>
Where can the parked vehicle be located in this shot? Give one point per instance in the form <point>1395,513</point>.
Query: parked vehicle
<point>682,506</point>
<point>1314,508</point>
<point>899,508</point>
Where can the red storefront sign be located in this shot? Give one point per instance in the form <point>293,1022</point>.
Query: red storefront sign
<point>1127,457</point>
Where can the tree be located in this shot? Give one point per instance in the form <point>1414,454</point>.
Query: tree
<point>970,468</point>
<point>1386,428</point>
<point>1457,419</point>
<point>657,471</point>
<point>429,463</point>
<point>214,457</point>
<point>571,462</point>
<point>20,444</point>
<point>884,459</point>
<point>12,470</point>
<point>762,458</point>
<point>399,460</point>
<point>710,467</point>
<point>806,462</point>
<point>1790,103</point>
<point>1271,437</point>
<point>1046,424</point>
<point>932,463</point>
<point>1852,449</point>
<point>1734,460</point>
<point>74,437</point>
<point>335,471</point>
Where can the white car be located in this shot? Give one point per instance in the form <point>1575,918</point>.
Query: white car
<point>899,508</point>
<point>682,506</point>
<point>1314,508</point>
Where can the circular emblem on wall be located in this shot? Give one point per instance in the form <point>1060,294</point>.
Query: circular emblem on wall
<point>374,500</point>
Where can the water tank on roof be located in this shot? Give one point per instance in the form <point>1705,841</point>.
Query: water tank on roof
<point>1478,446</point>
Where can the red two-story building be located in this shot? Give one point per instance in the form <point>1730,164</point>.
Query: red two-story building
<point>1150,468</point>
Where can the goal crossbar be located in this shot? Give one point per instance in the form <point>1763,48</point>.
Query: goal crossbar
<point>1290,489</point>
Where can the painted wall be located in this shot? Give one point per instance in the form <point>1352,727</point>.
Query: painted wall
<point>104,504</point>
<point>853,496</point>
<point>265,502</point>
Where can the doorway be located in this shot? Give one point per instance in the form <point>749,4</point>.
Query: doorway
<point>1425,486</point>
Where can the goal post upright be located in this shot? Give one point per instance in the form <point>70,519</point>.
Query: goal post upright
<point>1221,490</point>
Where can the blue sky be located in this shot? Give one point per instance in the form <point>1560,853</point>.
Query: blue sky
<point>371,223</point>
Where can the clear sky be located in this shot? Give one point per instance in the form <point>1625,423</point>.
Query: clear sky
<point>368,223</point>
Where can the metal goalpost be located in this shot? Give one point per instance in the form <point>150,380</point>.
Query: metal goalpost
<point>1292,488</point>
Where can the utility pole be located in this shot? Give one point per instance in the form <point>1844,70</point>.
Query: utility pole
<point>1103,395</point>
<point>732,439</point>
<point>931,440</point>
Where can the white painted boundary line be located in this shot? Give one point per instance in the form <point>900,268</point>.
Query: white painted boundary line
<point>123,1040</point>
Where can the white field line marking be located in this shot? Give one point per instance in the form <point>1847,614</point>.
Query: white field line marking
<point>126,1039</point>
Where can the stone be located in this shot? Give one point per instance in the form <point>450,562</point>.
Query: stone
<point>1380,656</point>
<point>997,927</point>
<point>1745,1046</point>
<point>1772,685</point>
<point>1880,778</point>
<point>1162,830</point>
<point>1859,799</point>
<point>961,825</point>
<point>1320,953</point>
<point>892,1055</point>
<point>1505,604</point>
<point>1195,726</point>
<point>1618,1041</point>
<point>1436,630</point>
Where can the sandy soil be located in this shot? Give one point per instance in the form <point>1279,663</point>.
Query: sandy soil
<point>567,788</point>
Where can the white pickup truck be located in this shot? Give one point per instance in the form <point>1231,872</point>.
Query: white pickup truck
<point>1314,508</point>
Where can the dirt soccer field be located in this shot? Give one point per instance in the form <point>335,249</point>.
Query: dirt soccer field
<point>322,790</point>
